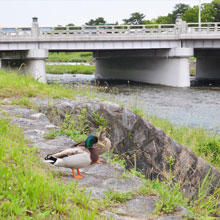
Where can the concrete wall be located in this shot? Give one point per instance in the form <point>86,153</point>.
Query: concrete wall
<point>208,64</point>
<point>166,67</point>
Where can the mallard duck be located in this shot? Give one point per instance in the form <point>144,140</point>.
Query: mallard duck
<point>75,158</point>
<point>103,145</point>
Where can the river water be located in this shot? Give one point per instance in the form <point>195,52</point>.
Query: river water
<point>195,107</point>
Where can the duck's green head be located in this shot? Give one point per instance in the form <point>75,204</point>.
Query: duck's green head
<point>90,141</point>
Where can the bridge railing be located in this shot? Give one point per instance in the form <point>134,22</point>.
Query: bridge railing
<point>7,33</point>
<point>108,30</point>
<point>205,27</point>
<point>150,30</point>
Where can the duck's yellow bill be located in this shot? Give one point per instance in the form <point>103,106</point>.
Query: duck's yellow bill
<point>99,143</point>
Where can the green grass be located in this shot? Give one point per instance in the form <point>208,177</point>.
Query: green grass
<point>76,127</point>
<point>200,141</point>
<point>71,69</point>
<point>28,190</point>
<point>14,85</point>
<point>170,196</point>
<point>70,57</point>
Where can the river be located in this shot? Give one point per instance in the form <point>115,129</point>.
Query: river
<point>194,107</point>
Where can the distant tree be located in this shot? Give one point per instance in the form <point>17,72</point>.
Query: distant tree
<point>180,9</point>
<point>191,15</point>
<point>71,24</point>
<point>97,21</point>
<point>208,13</point>
<point>171,17</point>
<point>216,4</point>
<point>135,18</point>
<point>165,19</point>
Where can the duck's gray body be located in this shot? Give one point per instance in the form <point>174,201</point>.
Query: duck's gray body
<point>74,158</point>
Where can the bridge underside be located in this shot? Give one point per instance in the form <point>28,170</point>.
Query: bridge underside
<point>207,64</point>
<point>168,67</point>
<point>165,66</point>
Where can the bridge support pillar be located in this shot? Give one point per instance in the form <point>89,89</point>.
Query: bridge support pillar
<point>36,64</point>
<point>207,64</point>
<point>168,67</point>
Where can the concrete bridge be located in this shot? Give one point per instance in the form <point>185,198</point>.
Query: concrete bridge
<point>156,54</point>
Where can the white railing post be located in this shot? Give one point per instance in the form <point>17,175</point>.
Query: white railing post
<point>216,27</point>
<point>181,25</point>
<point>35,31</point>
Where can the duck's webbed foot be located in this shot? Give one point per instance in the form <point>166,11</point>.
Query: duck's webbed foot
<point>99,161</point>
<point>75,176</point>
<point>80,174</point>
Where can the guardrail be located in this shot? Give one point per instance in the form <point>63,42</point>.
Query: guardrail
<point>31,33</point>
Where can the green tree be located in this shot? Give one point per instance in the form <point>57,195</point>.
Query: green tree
<point>165,19</point>
<point>180,9</point>
<point>216,4</point>
<point>71,24</point>
<point>135,18</point>
<point>208,13</point>
<point>97,21</point>
<point>191,15</point>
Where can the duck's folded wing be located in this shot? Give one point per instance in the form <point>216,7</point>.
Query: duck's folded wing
<point>79,144</point>
<point>69,152</point>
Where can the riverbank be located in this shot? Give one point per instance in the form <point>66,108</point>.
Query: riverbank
<point>70,69</point>
<point>21,89</point>
<point>85,57</point>
<point>15,86</point>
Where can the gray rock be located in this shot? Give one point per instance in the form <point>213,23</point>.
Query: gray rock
<point>141,206</point>
<point>17,110</point>
<point>170,218</point>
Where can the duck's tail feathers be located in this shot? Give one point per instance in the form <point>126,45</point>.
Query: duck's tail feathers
<point>50,159</point>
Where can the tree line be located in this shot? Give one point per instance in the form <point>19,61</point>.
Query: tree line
<point>210,12</point>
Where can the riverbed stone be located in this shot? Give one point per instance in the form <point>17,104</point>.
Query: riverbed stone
<point>141,207</point>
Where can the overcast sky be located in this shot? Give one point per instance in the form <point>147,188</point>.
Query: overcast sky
<point>62,12</point>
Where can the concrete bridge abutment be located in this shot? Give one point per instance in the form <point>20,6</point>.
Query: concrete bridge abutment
<point>168,67</point>
<point>35,64</point>
<point>207,64</point>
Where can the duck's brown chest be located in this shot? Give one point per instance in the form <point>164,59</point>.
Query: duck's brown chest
<point>93,155</point>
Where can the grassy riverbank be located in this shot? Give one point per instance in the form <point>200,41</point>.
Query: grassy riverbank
<point>202,143</point>
<point>27,189</point>
<point>84,57</point>
<point>71,69</point>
